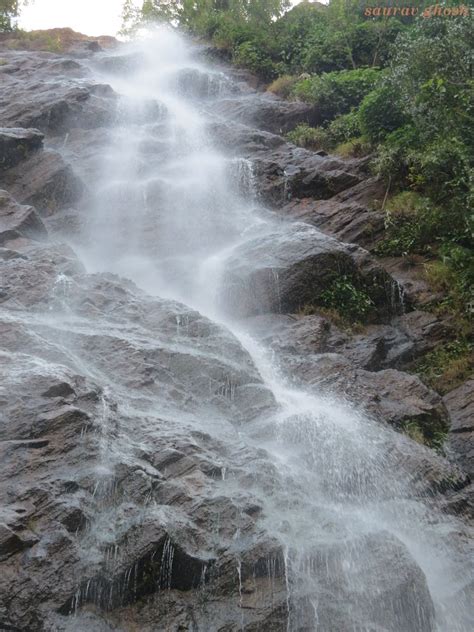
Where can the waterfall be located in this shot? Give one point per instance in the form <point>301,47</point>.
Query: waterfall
<point>169,210</point>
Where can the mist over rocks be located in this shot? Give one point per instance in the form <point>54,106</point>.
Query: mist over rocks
<point>151,473</point>
<point>18,221</point>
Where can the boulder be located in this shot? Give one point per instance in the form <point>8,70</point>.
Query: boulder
<point>118,64</point>
<point>288,271</point>
<point>258,601</point>
<point>45,181</point>
<point>317,353</point>
<point>202,84</point>
<point>17,143</point>
<point>399,600</point>
<point>267,112</point>
<point>348,215</point>
<point>11,542</point>
<point>460,405</point>
<point>410,274</point>
<point>18,221</point>
<point>51,93</point>
<point>60,417</point>
<point>283,171</point>
<point>392,396</point>
<point>379,346</point>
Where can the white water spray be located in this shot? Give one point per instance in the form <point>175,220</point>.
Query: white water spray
<point>168,212</point>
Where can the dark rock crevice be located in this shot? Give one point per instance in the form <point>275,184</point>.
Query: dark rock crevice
<point>165,567</point>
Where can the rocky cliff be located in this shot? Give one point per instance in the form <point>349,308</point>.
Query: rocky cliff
<point>118,511</point>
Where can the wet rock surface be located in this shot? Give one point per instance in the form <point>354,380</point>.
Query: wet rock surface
<point>52,93</point>
<point>50,185</point>
<point>268,112</point>
<point>460,404</point>
<point>283,171</point>
<point>288,272</point>
<point>17,220</point>
<point>117,510</point>
<point>348,215</point>
<point>16,143</point>
<point>63,332</point>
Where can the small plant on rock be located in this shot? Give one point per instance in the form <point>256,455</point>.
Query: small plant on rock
<point>315,138</point>
<point>352,303</point>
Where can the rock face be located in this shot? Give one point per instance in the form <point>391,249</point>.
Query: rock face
<point>18,221</point>
<point>52,93</point>
<point>60,420</point>
<point>50,183</point>
<point>317,353</point>
<point>460,404</point>
<point>267,112</point>
<point>89,453</point>
<point>281,170</point>
<point>348,215</point>
<point>16,144</point>
<point>140,486</point>
<point>288,272</point>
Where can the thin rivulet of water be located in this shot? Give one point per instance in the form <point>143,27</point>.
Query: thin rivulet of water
<point>169,211</point>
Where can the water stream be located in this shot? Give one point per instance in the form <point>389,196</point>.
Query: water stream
<point>168,211</point>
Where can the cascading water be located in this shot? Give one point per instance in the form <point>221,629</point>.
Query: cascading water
<point>169,211</point>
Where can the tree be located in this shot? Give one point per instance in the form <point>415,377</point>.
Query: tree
<point>195,15</point>
<point>9,10</point>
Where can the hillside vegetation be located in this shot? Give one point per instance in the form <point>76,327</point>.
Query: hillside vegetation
<point>399,89</point>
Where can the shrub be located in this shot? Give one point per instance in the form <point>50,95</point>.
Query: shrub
<point>345,127</point>
<point>354,148</point>
<point>250,55</point>
<point>315,138</point>
<point>448,366</point>
<point>337,92</point>
<point>283,86</point>
<point>412,225</point>
<point>443,167</point>
<point>379,114</point>
<point>393,160</point>
<point>342,136</point>
<point>351,303</point>
<point>427,431</point>
<point>453,276</point>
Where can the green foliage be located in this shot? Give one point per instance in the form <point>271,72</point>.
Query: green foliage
<point>379,114</point>
<point>283,86</point>
<point>432,149</point>
<point>447,366</point>
<point>401,89</point>
<point>317,38</point>
<point>345,128</point>
<point>412,225</point>
<point>9,10</point>
<point>350,302</point>
<point>353,148</point>
<point>315,138</point>
<point>310,37</point>
<point>337,92</point>
<point>341,135</point>
<point>460,261</point>
<point>202,17</point>
<point>432,76</point>
<point>251,56</point>
<point>452,275</point>
<point>427,431</point>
